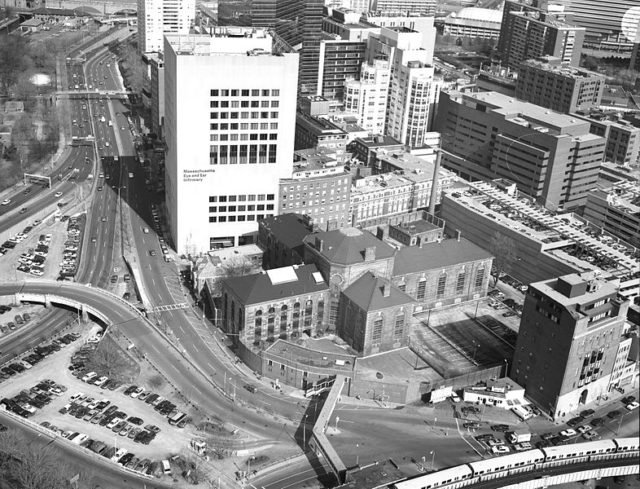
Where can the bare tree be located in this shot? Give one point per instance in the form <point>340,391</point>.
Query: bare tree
<point>30,465</point>
<point>233,267</point>
<point>504,252</point>
<point>13,61</point>
<point>109,359</point>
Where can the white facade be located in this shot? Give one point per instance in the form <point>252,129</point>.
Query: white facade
<point>159,17</point>
<point>367,97</point>
<point>419,23</point>
<point>411,88</point>
<point>230,123</point>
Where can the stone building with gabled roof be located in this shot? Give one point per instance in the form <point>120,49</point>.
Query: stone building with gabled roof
<point>280,303</point>
<point>374,316</point>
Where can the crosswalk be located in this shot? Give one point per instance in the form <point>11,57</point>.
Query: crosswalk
<point>171,307</point>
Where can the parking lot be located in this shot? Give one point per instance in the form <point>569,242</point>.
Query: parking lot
<point>81,398</point>
<point>37,251</point>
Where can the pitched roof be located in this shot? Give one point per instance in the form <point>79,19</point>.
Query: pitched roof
<point>276,284</point>
<point>288,229</point>
<point>368,293</point>
<point>437,255</point>
<point>347,245</point>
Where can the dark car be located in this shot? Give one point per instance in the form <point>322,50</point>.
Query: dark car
<point>136,421</point>
<point>596,422</point>
<point>500,427</point>
<point>587,413</point>
<point>614,414</point>
<point>628,400</point>
<point>575,421</point>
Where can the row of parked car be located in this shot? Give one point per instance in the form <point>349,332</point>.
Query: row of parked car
<point>27,402</point>
<point>18,320</point>
<point>118,455</point>
<point>33,260</point>
<point>103,413</point>
<point>69,264</point>
<point>36,356</point>
<point>12,242</point>
<point>160,404</point>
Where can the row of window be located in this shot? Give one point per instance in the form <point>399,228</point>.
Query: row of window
<point>249,217</point>
<point>244,115</point>
<point>442,284</point>
<point>241,198</point>
<point>234,104</point>
<point>243,137</point>
<point>256,92</point>
<point>244,126</point>
<point>241,208</point>
<point>378,323</point>
<point>242,154</point>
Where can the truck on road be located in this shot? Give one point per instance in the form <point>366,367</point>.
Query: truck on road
<point>518,436</point>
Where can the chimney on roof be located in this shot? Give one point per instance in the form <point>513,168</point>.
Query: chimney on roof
<point>458,234</point>
<point>386,289</point>
<point>370,253</point>
<point>319,244</point>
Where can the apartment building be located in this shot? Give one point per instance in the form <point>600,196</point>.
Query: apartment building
<point>623,138</point>
<point>229,139</point>
<point>367,96</point>
<point>474,22</point>
<point>552,157</point>
<point>412,87</point>
<point>159,17</point>
<point>558,86</point>
<point>532,34</point>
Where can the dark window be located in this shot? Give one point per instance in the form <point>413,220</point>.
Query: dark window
<point>422,288</point>
<point>460,282</point>
<point>479,277</point>
<point>442,283</point>
<point>376,334</point>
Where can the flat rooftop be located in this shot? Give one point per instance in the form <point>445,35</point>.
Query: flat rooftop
<point>563,69</point>
<point>624,196</point>
<point>292,352</point>
<point>396,366</point>
<point>526,114</point>
<point>418,226</point>
<point>554,232</point>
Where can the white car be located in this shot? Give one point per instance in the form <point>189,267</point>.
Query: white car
<point>568,433</point>
<point>58,194</point>
<point>137,392</point>
<point>633,405</point>
<point>500,449</point>
<point>37,273</point>
<point>6,202</point>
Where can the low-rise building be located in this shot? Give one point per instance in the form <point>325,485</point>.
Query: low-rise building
<point>281,239</point>
<point>319,132</point>
<point>417,232</point>
<point>319,187</point>
<point>279,303</point>
<point>478,23</point>
<point>503,393</point>
<point>366,149</point>
<point>225,262</point>
<point>542,245</point>
<point>374,316</point>
<point>616,210</point>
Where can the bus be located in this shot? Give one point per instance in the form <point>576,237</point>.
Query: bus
<point>176,418</point>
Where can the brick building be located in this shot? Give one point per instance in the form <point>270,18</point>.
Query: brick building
<point>280,303</point>
<point>374,316</point>
<point>570,342</point>
<point>280,238</point>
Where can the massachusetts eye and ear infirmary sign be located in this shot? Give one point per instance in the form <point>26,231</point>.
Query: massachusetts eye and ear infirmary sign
<point>196,175</point>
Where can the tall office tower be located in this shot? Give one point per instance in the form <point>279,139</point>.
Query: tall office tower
<point>299,24</point>
<point>426,7</point>
<point>571,341</point>
<point>605,21</point>
<point>551,157</point>
<point>536,34</point>
<point>159,17</point>
<point>230,106</point>
<point>367,97</point>
<point>411,86</point>
<point>554,85</point>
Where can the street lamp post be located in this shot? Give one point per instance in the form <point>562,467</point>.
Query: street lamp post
<point>357,454</point>
<point>433,457</point>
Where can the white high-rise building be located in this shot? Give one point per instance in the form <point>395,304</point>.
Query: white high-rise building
<point>159,17</point>
<point>230,106</point>
<point>411,87</point>
<point>367,97</point>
